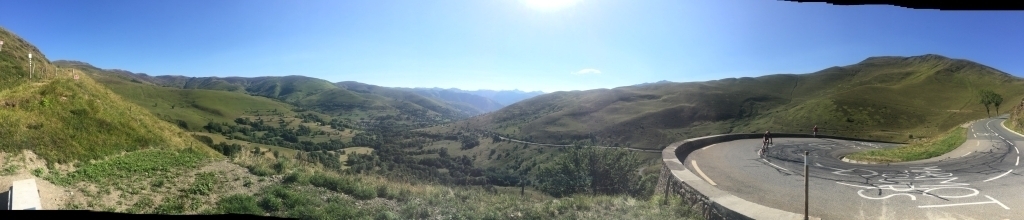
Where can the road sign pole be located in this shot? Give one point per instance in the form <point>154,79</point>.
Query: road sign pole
<point>806,178</point>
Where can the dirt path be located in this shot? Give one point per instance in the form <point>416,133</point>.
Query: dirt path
<point>19,167</point>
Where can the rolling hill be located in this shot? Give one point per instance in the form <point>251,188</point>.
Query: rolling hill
<point>337,99</point>
<point>64,120</point>
<point>886,98</point>
<point>462,100</point>
<point>503,97</point>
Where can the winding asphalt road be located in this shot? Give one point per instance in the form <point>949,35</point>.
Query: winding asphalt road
<point>981,179</point>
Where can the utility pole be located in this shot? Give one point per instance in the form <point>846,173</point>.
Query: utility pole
<point>30,69</point>
<point>806,178</point>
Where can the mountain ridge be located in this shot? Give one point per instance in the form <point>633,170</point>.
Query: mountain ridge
<point>889,98</point>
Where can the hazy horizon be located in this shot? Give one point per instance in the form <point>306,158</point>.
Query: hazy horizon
<point>503,45</point>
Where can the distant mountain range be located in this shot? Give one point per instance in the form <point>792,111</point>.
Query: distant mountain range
<point>503,97</point>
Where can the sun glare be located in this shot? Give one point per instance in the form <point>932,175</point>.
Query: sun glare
<point>550,5</point>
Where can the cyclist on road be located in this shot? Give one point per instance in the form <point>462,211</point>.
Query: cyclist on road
<point>764,144</point>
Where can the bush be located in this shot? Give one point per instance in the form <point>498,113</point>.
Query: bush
<point>271,204</point>
<point>170,205</point>
<point>592,170</point>
<point>203,185</point>
<point>384,192</point>
<point>296,177</point>
<point>239,204</point>
<point>387,215</point>
<point>280,167</point>
<point>260,170</point>
<point>204,139</point>
<point>363,192</point>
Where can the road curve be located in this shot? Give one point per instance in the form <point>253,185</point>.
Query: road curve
<point>981,179</point>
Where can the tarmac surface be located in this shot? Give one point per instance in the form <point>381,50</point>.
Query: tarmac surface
<point>981,179</point>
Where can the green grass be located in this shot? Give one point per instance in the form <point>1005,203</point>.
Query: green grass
<point>203,185</point>
<point>66,120</point>
<point>63,120</point>
<point>132,167</point>
<point>917,151</point>
<point>194,106</point>
<point>1015,122</point>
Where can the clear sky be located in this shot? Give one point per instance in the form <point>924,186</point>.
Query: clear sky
<point>502,44</point>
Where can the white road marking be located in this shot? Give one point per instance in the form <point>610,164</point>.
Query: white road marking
<point>695,167</point>
<point>975,134</point>
<point>971,203</point>
<point>968,153</point>
<point>1018,162</point>
<point>977,143</point>
<point>997,177</point>
<point>856,185</point>
<point>818,164</point>
<point>770,163</point>
<point>1015,149</point>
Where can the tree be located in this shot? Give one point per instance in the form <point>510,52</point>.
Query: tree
<point>593,170</point>
<point>986,99</point>
<point>997,100</point>
<point>990,98</point>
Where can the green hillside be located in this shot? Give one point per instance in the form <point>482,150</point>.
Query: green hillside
<point>340,99</point>
<point>884,98</point>
<point>465,101</point>
<point>63,120</point>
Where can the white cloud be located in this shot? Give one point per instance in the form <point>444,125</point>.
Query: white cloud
<point>587,71</point>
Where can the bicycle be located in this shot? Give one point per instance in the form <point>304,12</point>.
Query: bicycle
<point>764,149</point>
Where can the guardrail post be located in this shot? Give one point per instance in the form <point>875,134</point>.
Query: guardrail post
<point>668,180</point>
<point>806,180</point>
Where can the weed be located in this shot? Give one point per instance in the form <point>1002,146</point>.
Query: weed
<point>10,169</point>
<point>146,163</point>
<point>239,204</point>
<point>203,185</point>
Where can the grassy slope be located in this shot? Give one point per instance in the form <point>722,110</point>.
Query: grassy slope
<point>1016,120</point>
<point>470,103</point>
<point>346,98</point>
<point>64,120</point>
<point>917,151</point>
<point>885,98</point>
<point>194,106</point>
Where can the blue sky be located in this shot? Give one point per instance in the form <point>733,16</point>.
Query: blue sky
<point>503,44</point>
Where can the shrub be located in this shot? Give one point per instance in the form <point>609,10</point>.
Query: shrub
<point>239,204</point>
<point>271,204</point>
<point>296,177</point>
<point>260,170</point>
<point>363,192</point>
<point>203,185</point>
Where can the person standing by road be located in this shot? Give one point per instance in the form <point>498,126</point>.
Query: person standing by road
<point>815,130</point>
